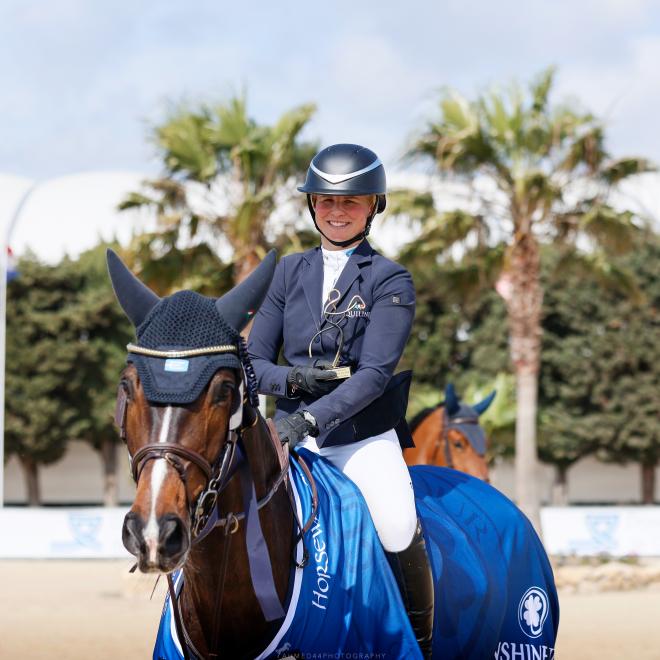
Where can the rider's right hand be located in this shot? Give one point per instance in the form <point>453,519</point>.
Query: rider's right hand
<point>313,380</point>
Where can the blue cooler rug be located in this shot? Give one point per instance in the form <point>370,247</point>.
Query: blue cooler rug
<point>495,593</point>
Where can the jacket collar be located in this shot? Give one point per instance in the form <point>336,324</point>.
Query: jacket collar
<point>313,278</point>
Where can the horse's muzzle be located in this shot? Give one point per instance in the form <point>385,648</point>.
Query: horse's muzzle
<point>160,546</point>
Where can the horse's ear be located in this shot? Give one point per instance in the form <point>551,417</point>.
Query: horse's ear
<point>241,303</point>
<point>451,400</point>
<point>135,298</point>
<point>482,406</point>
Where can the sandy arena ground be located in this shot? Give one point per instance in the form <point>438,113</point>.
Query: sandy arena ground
<point>78,610</point>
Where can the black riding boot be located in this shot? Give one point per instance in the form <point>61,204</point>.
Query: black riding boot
<point>412,570</point>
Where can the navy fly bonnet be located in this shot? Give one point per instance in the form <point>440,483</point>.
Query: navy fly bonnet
<point>183,339</point>
<point>183,321</point>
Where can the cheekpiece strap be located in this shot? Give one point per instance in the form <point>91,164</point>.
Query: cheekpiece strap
<point>120,411</point>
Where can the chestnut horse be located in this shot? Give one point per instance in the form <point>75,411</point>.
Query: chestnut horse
<point>449,435</point>
<point>213,503</point>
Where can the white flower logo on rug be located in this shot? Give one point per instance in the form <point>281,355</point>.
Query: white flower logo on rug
<point>533,611</point>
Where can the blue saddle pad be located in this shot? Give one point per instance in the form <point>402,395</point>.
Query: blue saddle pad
<point>495,595</point>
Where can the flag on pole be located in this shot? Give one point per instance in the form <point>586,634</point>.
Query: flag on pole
<point>12,271</point>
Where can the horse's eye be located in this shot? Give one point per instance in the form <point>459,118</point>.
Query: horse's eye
<point>458,444</point>
<point>126,385</point>
<point>222,391</point>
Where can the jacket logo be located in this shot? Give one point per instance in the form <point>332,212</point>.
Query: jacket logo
<point>357,308</point>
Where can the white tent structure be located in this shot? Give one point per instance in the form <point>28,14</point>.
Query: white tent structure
<point>56,217</point>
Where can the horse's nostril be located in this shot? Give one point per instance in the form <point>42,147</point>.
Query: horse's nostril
<point>173,537</point>
<point>131,534</point>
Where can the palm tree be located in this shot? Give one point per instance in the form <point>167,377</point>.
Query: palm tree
<point>537,173</point>
<point>224,175</point>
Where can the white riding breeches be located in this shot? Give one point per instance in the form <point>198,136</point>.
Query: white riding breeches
<point>377,467</point>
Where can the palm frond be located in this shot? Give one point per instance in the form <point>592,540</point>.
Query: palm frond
<point>540,89</point>
<point>600,268</point>
<point>172,192</point>
<point>186,145</point>
<point>231,124</point>
<point>617,170</point>
<point>442,231</point>
<point>535,190</point>
<point>135,200</point>
<point>614,231</point>
<point>458,142</point>
<point>410,203</point>
<point>584,146</point>
<point>477,270</point>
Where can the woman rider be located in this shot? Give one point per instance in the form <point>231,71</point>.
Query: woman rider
<point>344,305</point>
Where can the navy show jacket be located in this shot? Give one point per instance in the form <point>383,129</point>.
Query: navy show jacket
<point>374,337</point>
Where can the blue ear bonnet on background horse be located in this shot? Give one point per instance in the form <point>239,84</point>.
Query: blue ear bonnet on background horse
<point>495,594</point>
<point>465,418</point>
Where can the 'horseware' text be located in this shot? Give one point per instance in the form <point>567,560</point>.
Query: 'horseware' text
<point>320,597</point>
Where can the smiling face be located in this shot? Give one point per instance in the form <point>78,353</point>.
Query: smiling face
<point>340,217</point>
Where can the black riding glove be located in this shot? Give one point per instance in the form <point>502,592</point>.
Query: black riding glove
<point>316,380</point>
<point>294,428</point>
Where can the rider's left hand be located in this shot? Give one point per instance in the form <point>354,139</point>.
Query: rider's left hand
<point>296,427</point>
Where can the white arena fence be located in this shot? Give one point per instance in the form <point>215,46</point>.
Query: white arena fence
<point>618,531</point>
<point>95,532</point>
<point>62,533</point>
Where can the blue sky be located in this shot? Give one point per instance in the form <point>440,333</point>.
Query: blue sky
<point>82,81</point>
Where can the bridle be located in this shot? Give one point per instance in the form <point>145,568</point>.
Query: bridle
<point>215,474</point>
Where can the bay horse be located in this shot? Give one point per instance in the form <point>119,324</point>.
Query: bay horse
<point>449,435</point>
<point>268,557</point>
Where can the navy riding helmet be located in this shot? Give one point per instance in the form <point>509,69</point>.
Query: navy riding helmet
<point>346,169</point>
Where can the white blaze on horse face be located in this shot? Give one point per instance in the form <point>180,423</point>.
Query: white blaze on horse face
<point>158,471</point>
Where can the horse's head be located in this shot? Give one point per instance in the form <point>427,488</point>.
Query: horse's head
<point>179,395</point>
<point>450,435</point>
<point>465,439</point>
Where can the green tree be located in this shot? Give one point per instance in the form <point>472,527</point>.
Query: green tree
<point>224,175</point>
<point>600,369</point>
<point>576,313</point>
<point>104,330</point>
<point>42,375</point>
<point>539,174</point>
